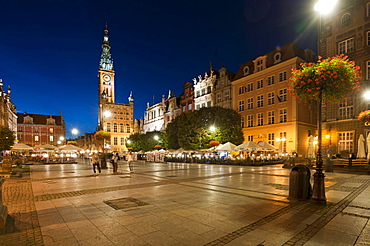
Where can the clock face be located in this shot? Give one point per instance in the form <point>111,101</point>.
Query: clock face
<point>106,77</point>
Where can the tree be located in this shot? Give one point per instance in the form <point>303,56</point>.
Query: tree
<point>191,130</point>
<point>6,138</point>
<point>145,142</point>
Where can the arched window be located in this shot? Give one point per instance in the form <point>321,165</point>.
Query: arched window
<point>346,19</point>
<point>246,70</point>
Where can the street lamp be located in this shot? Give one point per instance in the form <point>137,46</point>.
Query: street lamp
<point>74,131</point>
<point>323,7</point>
<point>212,128</point>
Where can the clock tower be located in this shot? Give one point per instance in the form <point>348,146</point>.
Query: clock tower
<point>114,118</point>
<point>105,77</point>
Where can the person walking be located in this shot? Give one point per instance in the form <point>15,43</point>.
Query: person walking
<point>129,159</point>
<point>115,162</point>
<point>96,162</point>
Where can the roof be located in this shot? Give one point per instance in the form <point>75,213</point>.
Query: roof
<point>39,119</point>
<point>287,52</point>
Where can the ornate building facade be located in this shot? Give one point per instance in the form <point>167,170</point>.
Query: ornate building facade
<point>8,112</point>
<point>347,31</point>
<point>223,97</point>
<point>154,117</point>
<point>204,90</point>
<point>269,113</point>
<point>115,118</point>
<point>38,129</point>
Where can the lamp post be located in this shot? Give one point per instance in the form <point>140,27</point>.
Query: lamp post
<point>323,7</point>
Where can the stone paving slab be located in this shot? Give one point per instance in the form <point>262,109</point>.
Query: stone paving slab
<point>181,204</point>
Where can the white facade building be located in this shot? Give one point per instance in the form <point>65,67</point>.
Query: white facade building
<point>204,90</point>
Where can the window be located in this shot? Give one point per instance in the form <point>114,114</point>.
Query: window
<point>271,138</point>
<point>209,89</point>
<point>283,143</point>
<point>198,107</point>
<point>282,76</point>
<point>346,46</point>
<point>227,95</point>
<point>282,95</point>
<point>260,84</point>
<point>259,65</point>
<point>283,115</point>
<point>121,129</point>
<point>246,70</point>
<point>36,138</point>
<point>219,98</point>
<point>271,80</point>
<point>270,98</point>
<point>250,138</point>
<point>242,122</point>
<point>241,89</point>
<point>271,117</point>
<point>209,104</point>
<point>36,129</point>
<point>346,19</point>
<point>368,70</point>
<point>277,57</point>
<point>345,141</point>
<point>128,130</point>
<point>115,127</point>
<point>241,105</point>
<point>259,101</point>
<point>260,119</point>
<point>203,105</point>
<point>122,141</point>
<point>346,109</point>
<point>250,103</point>
<point>108,127</point>
<point>250,120</point>
<point>190,106</point>
<point>51,138</point>
<point>368,38</point>
<point>51,130</point>
<point>368,9</point>
<point>198,93</point>
<point>250,87</point>
<point>203,91</point>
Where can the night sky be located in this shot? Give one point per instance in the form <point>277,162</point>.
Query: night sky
<point>50,49</point>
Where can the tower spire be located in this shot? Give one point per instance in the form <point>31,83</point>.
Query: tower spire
<point>106,61</point>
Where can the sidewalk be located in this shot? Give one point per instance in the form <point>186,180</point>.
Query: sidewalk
<point>180,204</point>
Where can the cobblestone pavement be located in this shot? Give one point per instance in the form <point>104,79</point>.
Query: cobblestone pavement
<point>180,204</point>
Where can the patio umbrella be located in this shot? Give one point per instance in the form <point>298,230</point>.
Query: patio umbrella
<point>21,146</point>
<point>368,146</point>
<point>70,148</point>
<point>45,146</point>
<point>249,146</point>
<point>267,146</point>
<point>361,147</point>
<point>226,147</point>
<point>311,147</point>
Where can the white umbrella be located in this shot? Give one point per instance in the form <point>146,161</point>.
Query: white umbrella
<point>21,146</point>
<point>226,147</point>
<point>311,147</point>
<point>368,146</point>
<point>70,148</point>
<point>361,147</point>
<point>45,146</point>
<point>267,146</point>
<point>249,146</point>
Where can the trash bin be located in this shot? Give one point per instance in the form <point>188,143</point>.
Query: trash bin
<point>299,183</point>
<point>329,164</point>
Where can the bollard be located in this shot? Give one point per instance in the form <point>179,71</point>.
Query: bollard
<point>299,183</point>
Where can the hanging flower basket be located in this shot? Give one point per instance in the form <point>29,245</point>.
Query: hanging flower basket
<point>158,147</point>
<point>364,116</point>
<point>101,136</point>
<point>334,79</point>
<point>214,143</point>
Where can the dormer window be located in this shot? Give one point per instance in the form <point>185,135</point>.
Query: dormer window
<point>28,120</point>
<point>277,57</point>
<point>50,121</point>
<point>246,70</point>
<point>259,65</point>
<point>346,20</point>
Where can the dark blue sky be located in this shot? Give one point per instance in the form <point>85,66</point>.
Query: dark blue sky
<point>50,49</point>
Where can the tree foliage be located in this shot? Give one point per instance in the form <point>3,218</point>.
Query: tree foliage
<point>191,130</point>
<point>6,138</point>
<point>145,142</point>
